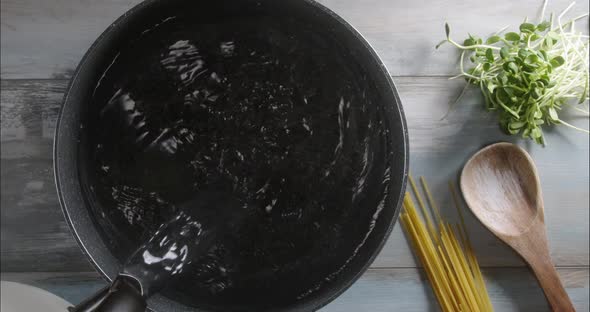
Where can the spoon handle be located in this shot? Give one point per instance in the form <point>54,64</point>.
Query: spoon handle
<point>551,285</point>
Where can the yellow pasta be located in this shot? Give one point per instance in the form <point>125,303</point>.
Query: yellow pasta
<point>446,254</point>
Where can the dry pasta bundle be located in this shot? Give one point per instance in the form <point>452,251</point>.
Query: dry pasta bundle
<point>446,254</point>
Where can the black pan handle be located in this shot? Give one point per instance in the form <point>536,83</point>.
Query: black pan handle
<point>123,295</point>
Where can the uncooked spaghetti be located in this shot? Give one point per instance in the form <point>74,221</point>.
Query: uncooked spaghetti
<point>446,253</point>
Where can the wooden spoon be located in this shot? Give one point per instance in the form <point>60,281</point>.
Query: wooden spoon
<point>501,186</point>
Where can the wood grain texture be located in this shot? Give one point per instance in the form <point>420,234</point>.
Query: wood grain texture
<point>378,290</point>
<point>501,187</point>
<point>47,38</point>
<point>35,236</point>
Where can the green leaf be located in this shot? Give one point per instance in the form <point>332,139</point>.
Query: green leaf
<point>512,78</point>
<point>544,82</point>
<point>469,42</point>
<point>542,55</point>
<point>503,78</point>
<point>447,29</point>
<point>543,26</point>
<point>527,27</point>
<point>511,67</point>
<point>486,66</point>
<point>529,68</point>
<point>491,87</point>
<point>553,114</point>
<point>548,43</point>
<point>536,133</point>
<point>532,59</point>
<point>503,102</point>
<point>490,55</point>
<point>493,39</point>
<point>534,37</point>
<point>512,131</point>
<point>512,36</point>
<point>508,91</point>
<point>504,53</point>
<point>557,61</point>
<point>526,132</point>
<point>516,125</point>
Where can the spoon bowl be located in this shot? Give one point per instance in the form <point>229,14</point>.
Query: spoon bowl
<point>501,187</point>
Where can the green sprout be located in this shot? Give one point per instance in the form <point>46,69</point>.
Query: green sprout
<point>528,76</point>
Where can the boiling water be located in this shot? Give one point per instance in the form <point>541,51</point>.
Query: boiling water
<point>167,253</point>
<point>276,117</point>
<point>180,241</point>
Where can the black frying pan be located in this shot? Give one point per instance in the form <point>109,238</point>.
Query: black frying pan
<point>281,105</point>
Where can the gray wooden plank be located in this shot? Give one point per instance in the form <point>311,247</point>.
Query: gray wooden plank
<point>378,290</point>
<point>36,238</point>
<point>34,232</point>
<point>46,38</point>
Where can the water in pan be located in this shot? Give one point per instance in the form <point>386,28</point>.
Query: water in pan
<point>195,226</point>
<point>277,117</point>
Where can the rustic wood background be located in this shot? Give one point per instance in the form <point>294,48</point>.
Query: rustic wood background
<point>43,40</point>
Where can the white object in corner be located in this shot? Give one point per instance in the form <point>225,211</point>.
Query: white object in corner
<point>18,297</point>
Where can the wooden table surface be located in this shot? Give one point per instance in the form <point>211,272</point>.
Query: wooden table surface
<point>43,40</point>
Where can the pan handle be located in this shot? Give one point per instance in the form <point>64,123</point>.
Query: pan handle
<point>123,295</point>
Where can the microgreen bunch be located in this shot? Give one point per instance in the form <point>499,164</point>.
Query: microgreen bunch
<point>528,76</point>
